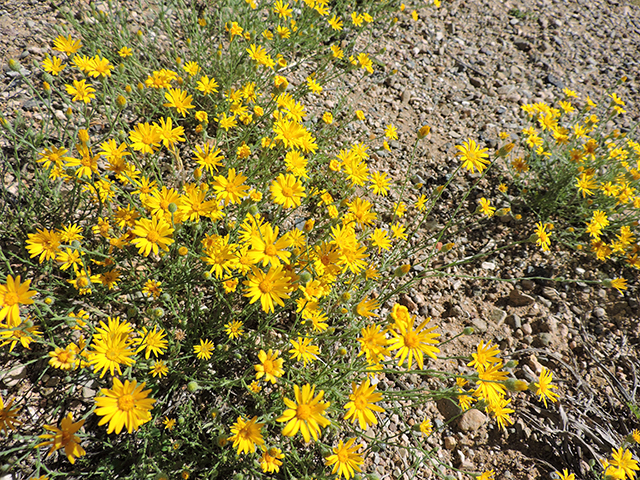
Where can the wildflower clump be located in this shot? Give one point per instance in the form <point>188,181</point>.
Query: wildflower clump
<point>213,282</point>
<point>582,173</point>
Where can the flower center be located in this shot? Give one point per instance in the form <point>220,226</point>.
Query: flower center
<point>343,456</point>
<point>111,355</point>
<point>360,402</point>
<point>63,357</point>
<point>411,339</point>
<point>270,250</point>
<point>287,191</point>
<point>303,412</point>
<point>268,366</point>
<point>266,286</point>
<point>153,236</point>
<point>126,402</point>
<point>10,299</point>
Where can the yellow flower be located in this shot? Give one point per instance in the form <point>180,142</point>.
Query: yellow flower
<point>544,388</point>
<point>619,284</point>
<point>112,347</point>
<point>361,405</point>
<point>269,287</point>
<point>489,387</point>
<point>486,208</point>
<point>81,91</point>
<point>145,138</point>
<point>234,329</point>
<point>305,414</point>
<point>230,189</point>
<point>426,428</point>
<point>152,288</point>
<point>66,45</point>
<point>13,294</point>
<point>167,134</point>
<point>8,414</point>
<point>472,156</point>
<point>64,437</point>
<point>266,249</point>
<point>345,460</point>
<point>152,234</point>
<point>169,423</point>
<point>485,356</point>
<point>22,333</point>
<point>622,464</point>
<point>159,368</point>
<point>53,65</point>
<point>303,350</point>
<point>501,412</point>
<point>565,475</point>
<point>178,99</point>
<point>125,52</point>
<point>246,435</point>
<point>335,23</point>
<point>124,405</point>
<point>373,344</point>
<point>380,239</point>
<point>487,475</point>
<point>208,157</point>
<point>379,183</point>
<point>391,132</point>
<point>99,67</point>
<point>412,342</point>
<point>207,85</point>
<point>270,366</point>
<point>63,358</point>
<point>151,341</point>
<point>287,191</point>
<point>282,9</point>
<point>192,68</point>
<point>271,460</point>
<point>542,236</point>
<point>260,55</point>
<point>586,184</point>
<point>204,350</point>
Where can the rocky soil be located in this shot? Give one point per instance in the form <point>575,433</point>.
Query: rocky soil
<point>465,69</point>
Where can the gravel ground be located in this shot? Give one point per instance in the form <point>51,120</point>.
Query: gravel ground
<point>465,69</point>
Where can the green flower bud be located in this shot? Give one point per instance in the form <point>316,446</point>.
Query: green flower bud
<point>468,330</point>
<point>511,364</point>
<point>173,208</point>
<point>305,277</point>
<point>193,386</point>
<point>253,210</point>
<point>515,385</point>
<point>14,65</point>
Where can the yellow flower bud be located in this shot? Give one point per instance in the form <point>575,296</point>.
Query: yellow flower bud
<point>424,131</point>
<point>121,102</point>
<point>83,136</point>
